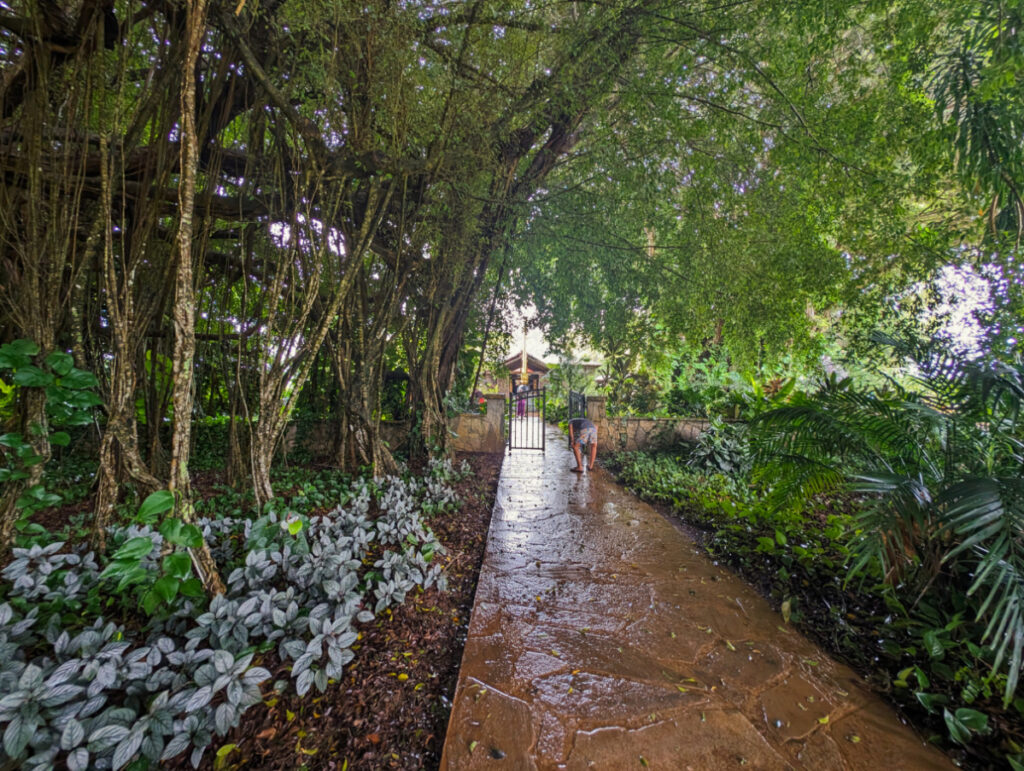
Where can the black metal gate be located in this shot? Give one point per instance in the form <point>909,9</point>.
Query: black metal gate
<point>526,414</point>
<point>577,408</point>
<point>577,405</point>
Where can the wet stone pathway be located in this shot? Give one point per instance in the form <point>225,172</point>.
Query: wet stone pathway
<point>601,638</point>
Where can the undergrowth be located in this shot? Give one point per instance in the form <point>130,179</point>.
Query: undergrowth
<point>922,652</point>
<point>118,661</point>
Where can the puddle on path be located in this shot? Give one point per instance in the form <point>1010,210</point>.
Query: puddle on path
<point>601,638</point>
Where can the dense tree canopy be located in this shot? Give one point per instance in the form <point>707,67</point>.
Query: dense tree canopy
<point>308,204</point>
<point>784,179</point>
<point>269,214</point>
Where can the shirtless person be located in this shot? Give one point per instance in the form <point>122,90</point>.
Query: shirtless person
<point>582,431</point>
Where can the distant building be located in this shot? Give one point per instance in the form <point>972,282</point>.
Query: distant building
<point>508,374</point>
<point>590,370</point>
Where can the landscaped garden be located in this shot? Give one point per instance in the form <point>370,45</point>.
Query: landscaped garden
<point>338,631</point>
<point>254,258</point>
<point>883,521</point>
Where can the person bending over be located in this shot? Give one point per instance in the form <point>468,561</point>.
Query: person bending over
<point>582,431</point>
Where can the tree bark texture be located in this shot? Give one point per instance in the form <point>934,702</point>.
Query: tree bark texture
<point>184,311</point>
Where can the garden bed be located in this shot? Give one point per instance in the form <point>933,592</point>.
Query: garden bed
<point>335,645</point>
<point>392,710</point>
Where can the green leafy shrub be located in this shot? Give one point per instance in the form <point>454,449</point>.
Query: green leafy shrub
<point>762,396</point>
<point>70,400</point>
<point>85,691</point>
<point>722,449</point>
<point>209,442</point>
<point>703,388</point>
<point>938,469</point>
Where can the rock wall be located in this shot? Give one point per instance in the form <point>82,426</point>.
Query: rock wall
<point>617,434</point>
<point>474,432</point>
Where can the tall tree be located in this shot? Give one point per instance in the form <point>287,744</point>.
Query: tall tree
<point>184,311</point>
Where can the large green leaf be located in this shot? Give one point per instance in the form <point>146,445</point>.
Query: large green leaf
<point>17,354</point>
<point>135,548</point>
<point>962,722</point>
<point>83,400</point>
<point>181,533</point>
<point>155,504</point>
<point>78,379</point>
<point>126,571</point>
<point>178,565</point>
<point>166,588</point>
<point>32,377</point>
<point>60,362</point>
<point>933,644</point>
<point>12,440</point>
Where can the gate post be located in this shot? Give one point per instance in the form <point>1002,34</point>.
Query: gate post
<point>543,418</point>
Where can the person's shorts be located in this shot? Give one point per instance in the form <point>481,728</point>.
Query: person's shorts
<point>587,435</point>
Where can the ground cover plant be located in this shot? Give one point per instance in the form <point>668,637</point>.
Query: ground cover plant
<point>885,522</point>
<point>390,709</point>
<point>93,683</point>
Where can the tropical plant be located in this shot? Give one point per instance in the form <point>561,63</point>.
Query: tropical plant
<point>722,449</point>
<point>68,394</point>
<point>937,465</point>
<point>766,395</point>
<point>82,691</point>
<point>977,97</point>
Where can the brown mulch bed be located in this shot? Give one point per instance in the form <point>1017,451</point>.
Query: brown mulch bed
<point>392,709</point>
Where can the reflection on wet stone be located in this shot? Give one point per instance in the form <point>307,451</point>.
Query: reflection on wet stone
<point>601,638</point>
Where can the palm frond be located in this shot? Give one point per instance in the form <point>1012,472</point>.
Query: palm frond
<point>883,539</point>
<point>796,478</point>
<point>938,467</point>
<point>986,518</point>
<point>1000,391</point>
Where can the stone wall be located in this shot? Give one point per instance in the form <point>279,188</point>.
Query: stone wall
<point>474,432</point>
<point>615,434</point>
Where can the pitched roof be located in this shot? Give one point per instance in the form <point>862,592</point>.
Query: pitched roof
<point>533,364</point>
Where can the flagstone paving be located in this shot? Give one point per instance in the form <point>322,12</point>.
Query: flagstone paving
<point>602,638</point>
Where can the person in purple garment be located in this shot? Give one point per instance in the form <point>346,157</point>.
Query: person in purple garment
<point>521,404</point>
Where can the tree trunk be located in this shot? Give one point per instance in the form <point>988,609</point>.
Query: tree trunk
<point>35,296</point>
<point>425,398</point>
<point>264,444</point>
<point>236,473</point>
<point>307,338</point>
<point>157,397</point>
<point>358,441</point>
<point>119,447</point>
<point>183,369</point>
